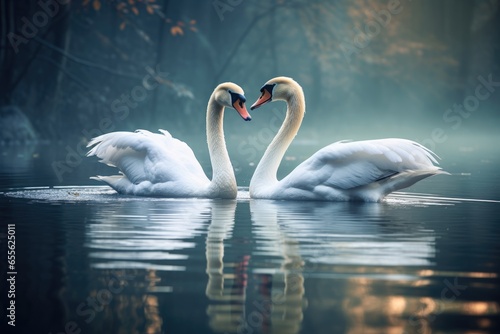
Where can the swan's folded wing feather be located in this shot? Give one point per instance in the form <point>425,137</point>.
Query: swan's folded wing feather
<point>143,155</point>
<point>347,165</point>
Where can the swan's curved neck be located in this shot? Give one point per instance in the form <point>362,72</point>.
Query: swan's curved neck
<point>223,182</point>
<point>265,173</point>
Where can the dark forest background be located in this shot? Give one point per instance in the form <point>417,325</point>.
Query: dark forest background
<point>90,54</point>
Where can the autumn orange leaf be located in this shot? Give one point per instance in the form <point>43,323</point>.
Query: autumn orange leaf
<point>150,9</point>
<point>96,5</point>
<point>135,10</point>
<point>131,2</point>
<point>193,22</point>
<point>122,25</point>
<point>176,30</point>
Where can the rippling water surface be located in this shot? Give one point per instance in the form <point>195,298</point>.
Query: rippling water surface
<point>89,259</point>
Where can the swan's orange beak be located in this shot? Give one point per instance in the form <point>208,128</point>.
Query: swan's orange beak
<point>263,99</point>
<point>242,110</point>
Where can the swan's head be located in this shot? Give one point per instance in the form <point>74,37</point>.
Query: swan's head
<point>232,96</point>
<point>276,89</point>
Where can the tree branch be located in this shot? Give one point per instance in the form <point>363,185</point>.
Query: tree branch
<point>67,73</point>
<point>35,53</point>
<point>87,63</point>
<point>240,40</point>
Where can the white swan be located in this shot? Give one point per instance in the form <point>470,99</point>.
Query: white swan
<point>160,165</point>
<point>343,171</point>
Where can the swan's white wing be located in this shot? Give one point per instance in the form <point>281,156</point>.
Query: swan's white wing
<point>382,165</point>
<point>145,156</point>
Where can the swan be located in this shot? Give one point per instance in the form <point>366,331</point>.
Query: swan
<point>160,165</point>
<point>343,171</point>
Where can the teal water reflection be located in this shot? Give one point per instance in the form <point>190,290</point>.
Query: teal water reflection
<point>154,265</point>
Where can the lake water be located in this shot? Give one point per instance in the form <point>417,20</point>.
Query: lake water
<point>90,261</point>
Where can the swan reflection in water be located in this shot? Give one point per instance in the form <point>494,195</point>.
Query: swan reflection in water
<point>273,300</point>
<point>352,258</point>
<point>348,233</point>
<point>343,250</point>
<point>142,243</point>
<point>257,271</point>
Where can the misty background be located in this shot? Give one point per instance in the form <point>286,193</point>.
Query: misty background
<point>71,70</point>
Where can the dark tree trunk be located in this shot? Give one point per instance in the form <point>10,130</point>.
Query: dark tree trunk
<point>160,50</point>
<point>7,53</point>
<point>62,38</point>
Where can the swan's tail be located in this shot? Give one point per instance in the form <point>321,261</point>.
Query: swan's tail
<point>420,164</point>
<point>124,150</point>
<point>377,191</point>
<point>120,183</point>
<point>408,178</point>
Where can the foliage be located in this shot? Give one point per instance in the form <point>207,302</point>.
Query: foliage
<point>95,52</point>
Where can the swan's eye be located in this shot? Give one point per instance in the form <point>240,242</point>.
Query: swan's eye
<point>237,97</point>
<point>269,88</point>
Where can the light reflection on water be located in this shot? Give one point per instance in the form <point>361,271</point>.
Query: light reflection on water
<point>258,266</point>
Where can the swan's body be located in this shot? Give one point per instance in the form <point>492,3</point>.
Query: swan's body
<point>160,165</point>
<point>343,171</point>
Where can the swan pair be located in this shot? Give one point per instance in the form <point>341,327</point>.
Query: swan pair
<point>160,165</point>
